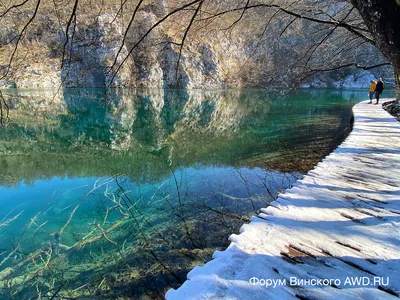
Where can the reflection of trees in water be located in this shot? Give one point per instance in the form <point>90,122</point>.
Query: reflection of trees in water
<point>86,121</point>
<point>90,131</point>
<point>136,242</point>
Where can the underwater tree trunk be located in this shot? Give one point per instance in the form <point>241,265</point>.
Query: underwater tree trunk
<point>382,19</point>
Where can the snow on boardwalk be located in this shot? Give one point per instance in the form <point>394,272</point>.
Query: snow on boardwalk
<point>342,221</point>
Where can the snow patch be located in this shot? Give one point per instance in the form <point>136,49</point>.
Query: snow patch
<point>340,221</point>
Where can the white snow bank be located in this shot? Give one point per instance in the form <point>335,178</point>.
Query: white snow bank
<point>334,235</point>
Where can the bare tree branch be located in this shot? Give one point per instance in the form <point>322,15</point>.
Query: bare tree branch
<point>148,32</point>
<point>240,17</point>
<point>71,18</point>
<point>311,72</point>
<point>184,38</point>
<point>126,33</point>
<point>13,7</point>
<point>20,37</point>
<point>349,27</point>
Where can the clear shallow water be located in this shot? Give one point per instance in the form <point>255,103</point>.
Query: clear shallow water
<point>118,188</point>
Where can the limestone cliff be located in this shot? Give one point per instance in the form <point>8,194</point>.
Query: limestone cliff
<point>215,56</point>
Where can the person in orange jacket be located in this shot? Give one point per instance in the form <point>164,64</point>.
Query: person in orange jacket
<point>372,88</point>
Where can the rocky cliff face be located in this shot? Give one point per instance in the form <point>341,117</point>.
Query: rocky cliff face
<point>152,64</point>
<point>244,56</point>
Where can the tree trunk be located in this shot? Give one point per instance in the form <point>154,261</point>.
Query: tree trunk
<point>382,19</point>
<point>397,80</point>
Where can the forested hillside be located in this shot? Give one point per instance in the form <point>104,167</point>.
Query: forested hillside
<point>120,43</point>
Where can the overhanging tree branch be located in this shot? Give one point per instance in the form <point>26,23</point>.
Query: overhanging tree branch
<point>126,33</point>
<point>13,7</point>
<point>148,32</point>
<point>311,72</point>
<point>71,18</point>
<point>20,37</point>
<point>349,27</point>
<point>184,38</point>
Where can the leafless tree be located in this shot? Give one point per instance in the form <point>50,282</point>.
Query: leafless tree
<point>339,27</point>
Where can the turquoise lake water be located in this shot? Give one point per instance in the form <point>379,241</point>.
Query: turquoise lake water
<point>108,193</point>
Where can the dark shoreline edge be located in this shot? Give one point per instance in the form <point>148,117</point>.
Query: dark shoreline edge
<point>393,108</point>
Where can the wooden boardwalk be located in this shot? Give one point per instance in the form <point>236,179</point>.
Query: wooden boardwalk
<point>334,235</point>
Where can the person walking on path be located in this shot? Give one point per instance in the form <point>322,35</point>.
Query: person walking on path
<point>372,90</point>
<point>378,90</point>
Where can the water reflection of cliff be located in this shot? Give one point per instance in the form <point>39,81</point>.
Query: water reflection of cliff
<point>95,132</point>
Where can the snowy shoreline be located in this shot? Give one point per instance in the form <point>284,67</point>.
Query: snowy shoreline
<point>340,222</point>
